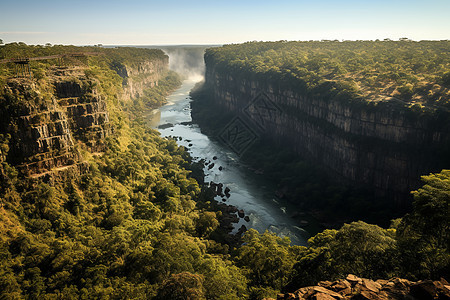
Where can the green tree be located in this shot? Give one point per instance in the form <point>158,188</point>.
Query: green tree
<point>315,262</point>
<point>223,280</point>
<point>206,223</point>
<point>267,258</point>
<point>364,249</point>
<point>358,248</point>
<point>423,235</point>
<point>182,286</point>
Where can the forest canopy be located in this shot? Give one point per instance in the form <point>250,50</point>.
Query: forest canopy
<point>415,73</point>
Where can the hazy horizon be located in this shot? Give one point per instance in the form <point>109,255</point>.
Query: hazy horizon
<point>201,22</point>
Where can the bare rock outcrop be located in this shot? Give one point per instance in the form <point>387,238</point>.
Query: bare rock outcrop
<point>142,76</point>
<point>356,288</point>
<point>46,125</point>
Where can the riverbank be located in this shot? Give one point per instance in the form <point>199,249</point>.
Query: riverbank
<point>253,194</point>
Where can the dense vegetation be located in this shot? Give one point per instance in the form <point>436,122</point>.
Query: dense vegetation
<point>122,229</point>
<point>132,56</point>
<point>138,225</point>
<point>111,57</point>
<point>416,73</point>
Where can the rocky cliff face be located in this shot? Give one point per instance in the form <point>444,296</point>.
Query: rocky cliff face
<point>384,147</point>
<point>45,128</point>
<point>85,109</point>
<point>47,125</point>
<point>146,74</point>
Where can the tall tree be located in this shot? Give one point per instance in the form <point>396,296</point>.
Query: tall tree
<point>423,235</point>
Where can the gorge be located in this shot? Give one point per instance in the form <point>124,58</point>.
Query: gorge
<point>382,145</point>
<point>96,204</point>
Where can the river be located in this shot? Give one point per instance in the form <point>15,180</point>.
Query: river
<point>249,192</point>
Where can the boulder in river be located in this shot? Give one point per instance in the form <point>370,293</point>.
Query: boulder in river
<point>227,192</point>
<point>241,213</point>
<point>232,208</point>
<point>242,230</point>
<point>213,186</point>
<point>247,218</point>
<point>164,126</point>
<point>219,190</point>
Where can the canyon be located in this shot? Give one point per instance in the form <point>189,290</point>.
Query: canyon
<point>96,204</point>
<point>383,146</point>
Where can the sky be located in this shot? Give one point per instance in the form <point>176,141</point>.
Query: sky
<point>171,22</point>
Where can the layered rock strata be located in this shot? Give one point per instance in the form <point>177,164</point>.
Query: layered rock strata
<point>140,77</point>
<point>386,147</point>
<point>47,124</point>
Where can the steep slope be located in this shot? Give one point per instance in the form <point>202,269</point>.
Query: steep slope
<point>50,119</point>
<point>385,143</point>
<point>132,219</point>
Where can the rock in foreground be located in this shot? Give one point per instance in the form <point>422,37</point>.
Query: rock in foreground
<point>354,287</point>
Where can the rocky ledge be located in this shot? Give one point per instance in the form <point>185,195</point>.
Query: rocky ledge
<point>47,122</point>
<point>354,287</point>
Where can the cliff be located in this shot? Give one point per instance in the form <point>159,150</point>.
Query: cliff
<point>41,128</point>
<point>385,146</point>
<point>141,76</point>
<point>52,119</point>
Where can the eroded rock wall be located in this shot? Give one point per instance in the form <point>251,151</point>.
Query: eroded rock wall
<point>48,121</point>
<point>86,112</point>
<point>138,78</point>
<point>384,146</point>
<point>44,129</point>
